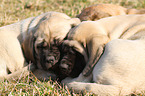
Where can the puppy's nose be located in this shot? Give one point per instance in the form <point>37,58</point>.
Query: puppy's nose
<point>51,59</point>
<point>50,62</point>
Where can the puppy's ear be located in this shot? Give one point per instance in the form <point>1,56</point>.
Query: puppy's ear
<point>28,49</point>
<point>79,65</point>
<point>96,14</point>
<point>77,46</point>
<point>74,21</point>
<point>78,15</point>
<point>85,14</point>
<point>35,37</point>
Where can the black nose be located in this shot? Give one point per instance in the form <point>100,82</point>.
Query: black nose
<point>50,59</point>
<point>50,62</point>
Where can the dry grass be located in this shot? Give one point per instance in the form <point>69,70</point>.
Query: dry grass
<point>15,10</point>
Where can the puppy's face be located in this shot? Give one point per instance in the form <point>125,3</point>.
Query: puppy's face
<point>67,61</point>
<point>47,55</point>
<point>50,33</point>
<point>39,50</point>
<point>71,62</point>
<point>41,44</point>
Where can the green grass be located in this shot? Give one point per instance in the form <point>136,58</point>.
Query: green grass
<point>30,86</point>
<point>12,11</point>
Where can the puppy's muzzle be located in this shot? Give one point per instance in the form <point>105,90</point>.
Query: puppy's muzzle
<point>50,62</point>
<point>64,64</point>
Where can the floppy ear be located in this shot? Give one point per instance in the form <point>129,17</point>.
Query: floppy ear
<point>78,15</point>
<point>85,14</point>
<point>77,46</point>
<point>28,48</point>
<point>95,49</point>
<point>74,21</point>
<point>91,13</point>
<point>96,14</point>
<point>36,36</point>
<point>79,65</point>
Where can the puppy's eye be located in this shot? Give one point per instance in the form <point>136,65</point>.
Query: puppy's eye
<point>42,45</point>
<point>72,51</point>
<point>68,50</point>
<point>39,45</point>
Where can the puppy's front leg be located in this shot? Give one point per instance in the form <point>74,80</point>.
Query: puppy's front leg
<point>80,78</point>
<point>20,73</point>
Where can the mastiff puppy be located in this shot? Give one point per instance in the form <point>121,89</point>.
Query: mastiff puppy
<point>90,37</point>
<point>119,72</point>
<point>106,10</point>
<point>36,39</point>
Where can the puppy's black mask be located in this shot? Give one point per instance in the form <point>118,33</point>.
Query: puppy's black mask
<point>48,55</point>
<point>71,62</point>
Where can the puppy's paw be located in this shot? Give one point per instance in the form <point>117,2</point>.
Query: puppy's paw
<point>67,80</point>
<point>31,67</point>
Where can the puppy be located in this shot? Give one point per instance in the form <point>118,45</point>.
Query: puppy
<point>119,72</point>
<point>36,39</point>
<point>89,38</point>
<point>105,10</point>
<point>93,35</point>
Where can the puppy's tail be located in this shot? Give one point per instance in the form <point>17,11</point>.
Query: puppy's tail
<point>97,89</point>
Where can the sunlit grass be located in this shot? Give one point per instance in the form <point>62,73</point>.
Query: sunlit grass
<point>14,10</point>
